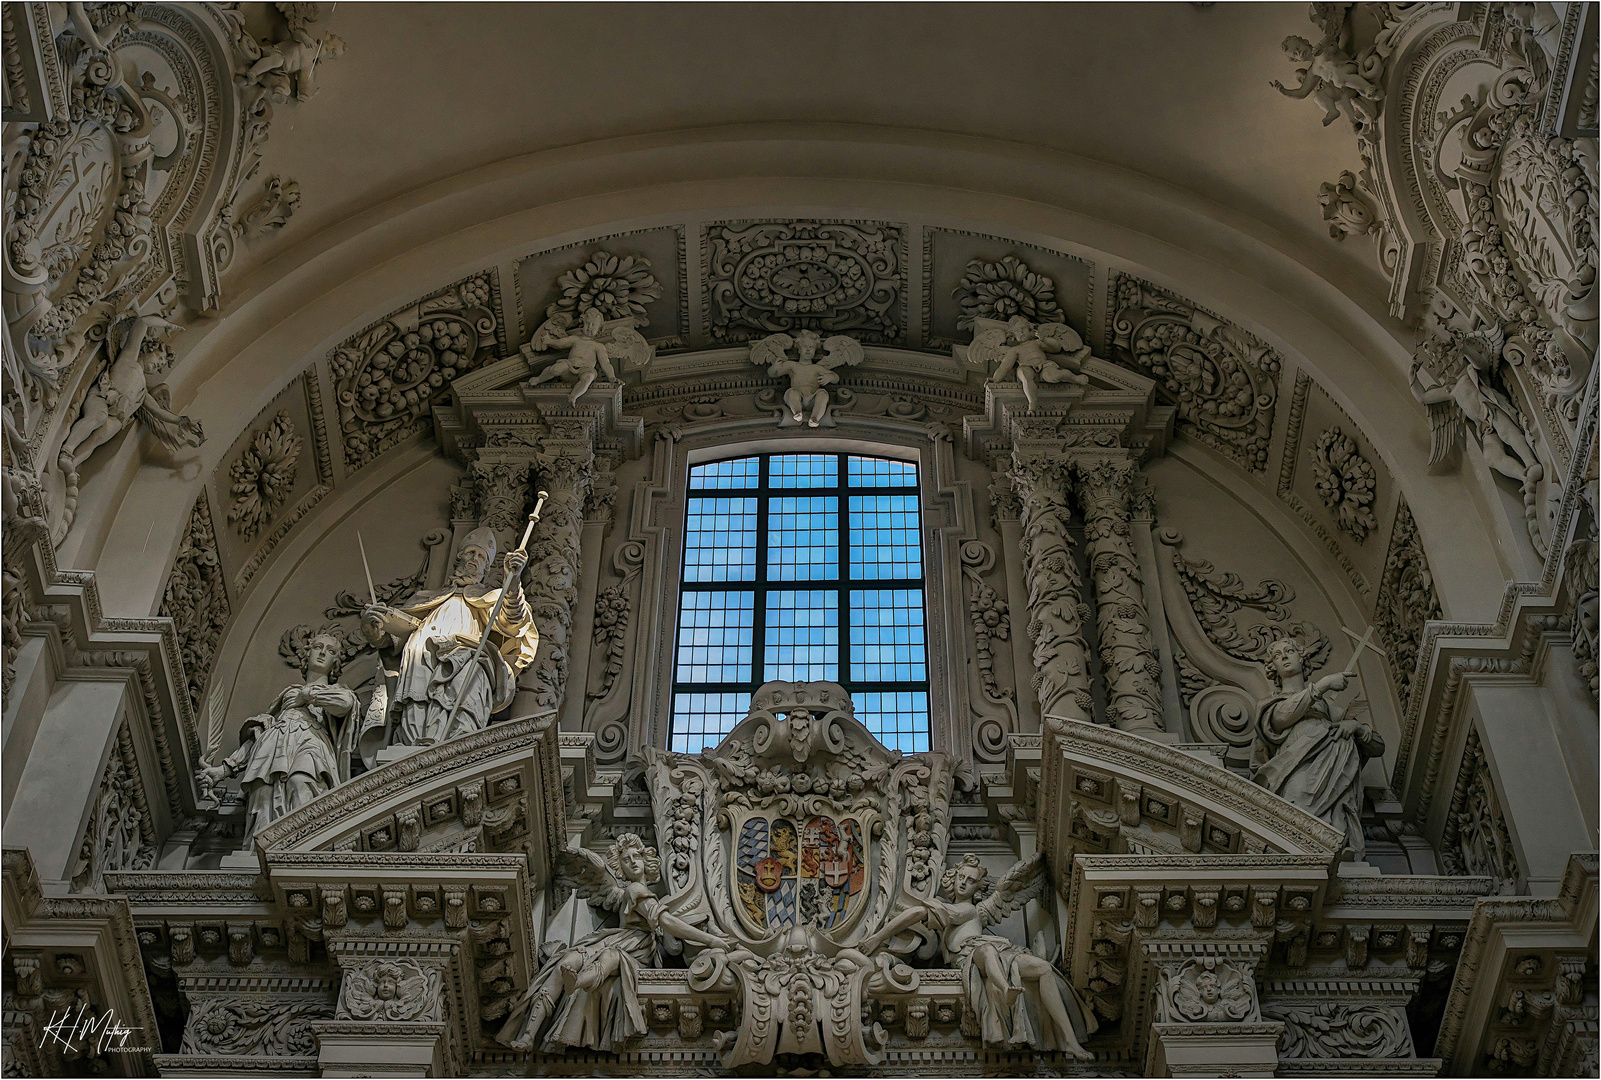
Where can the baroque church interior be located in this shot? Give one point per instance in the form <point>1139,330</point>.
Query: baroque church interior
<point>777,539</point>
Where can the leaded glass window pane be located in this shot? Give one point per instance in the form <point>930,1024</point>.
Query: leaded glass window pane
<point>801,568</point>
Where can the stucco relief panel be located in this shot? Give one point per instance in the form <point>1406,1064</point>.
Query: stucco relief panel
<point>642,274</point>
<point>967,273</point>
<point>1332,478</point>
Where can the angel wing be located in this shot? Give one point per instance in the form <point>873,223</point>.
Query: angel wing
<point>841,351</point>
<point>989,340</point>
<point>186,433</point>
<point>770,350</point>
<point>626,344</point>
<point>594,877</point>
<point>1447,422</point>
<point>554,327</point>
<point>1022,883</point>
<point>1060,337</point>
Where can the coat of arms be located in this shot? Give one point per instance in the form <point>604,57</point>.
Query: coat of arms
<point>801,863</point>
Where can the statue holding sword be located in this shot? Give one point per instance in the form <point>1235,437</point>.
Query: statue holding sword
<point>452,656</point>
<point>1310,747</point>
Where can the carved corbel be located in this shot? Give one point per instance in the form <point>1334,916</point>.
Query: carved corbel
<point>408,823</point>
<point>1147,907</point>
<point>472,803</point>
<point>1265,909</point>
<point>1417,945</point>
<point>241,943</point>
<point>395,916</point>
<point>1128,803</point>
<point>182,937</point>
<point>1356,946</point>
<point>1190,821</point>
<point>333,907</point>
<point>455,906</point>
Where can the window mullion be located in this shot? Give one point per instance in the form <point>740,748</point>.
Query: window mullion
<point>758,660</point>
<point>842,572</point>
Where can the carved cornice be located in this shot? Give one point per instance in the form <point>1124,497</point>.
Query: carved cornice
<point>348,805</point>
<point>1143,760</point>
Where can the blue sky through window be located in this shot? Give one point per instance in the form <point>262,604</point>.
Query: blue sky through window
<point>802,567</point>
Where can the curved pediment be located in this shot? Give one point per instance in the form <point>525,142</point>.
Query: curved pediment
<point>496,790</point>
<point>1110,791</point>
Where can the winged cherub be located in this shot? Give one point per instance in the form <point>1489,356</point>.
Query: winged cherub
<point>1019,998</point>
<point>294,59</point>
<point>590,995</point>
<point>1027,352</point>
<point>1474,399</point>
<point>123,391</point>
<point>595,344</point>
<point>807,374</point>
<point>1329,77</point>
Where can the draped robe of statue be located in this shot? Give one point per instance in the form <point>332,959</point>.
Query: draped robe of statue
<point>287,756</point>
<point>1313,765</point>
<point>435,661</point>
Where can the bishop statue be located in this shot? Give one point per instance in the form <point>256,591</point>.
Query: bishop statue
<point>433,689</point>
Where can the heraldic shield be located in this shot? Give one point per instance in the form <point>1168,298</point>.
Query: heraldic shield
<point>800,870</point>
<point>812,871</point>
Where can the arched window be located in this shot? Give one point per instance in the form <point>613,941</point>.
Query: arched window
<point>802,567</point>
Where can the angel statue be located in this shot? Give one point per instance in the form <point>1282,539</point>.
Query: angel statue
<point>124,391</point>
<point>1331,78</point>
<point>1018,997</point>
<point>287,755</point>
<point>807,374</point>
<point>596,344</point>
<point>293,62</point>
<point>1473,398</point>
<point>590,994</point>
<point>1314,752</point>
<point>1029,344</point>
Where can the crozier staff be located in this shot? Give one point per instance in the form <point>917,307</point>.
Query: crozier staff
<point>449,681</point>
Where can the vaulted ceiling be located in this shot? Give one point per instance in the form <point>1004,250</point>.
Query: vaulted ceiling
<point>1177,93</point>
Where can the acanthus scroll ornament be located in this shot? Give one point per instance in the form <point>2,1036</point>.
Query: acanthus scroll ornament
<point>782,277</point>
<point>1345,482</point>
<point>1000,290</point>
<point>991,621</point>
<point>1331,1029</point>
<point>263,476</point>
<point>246,1026</point>
<point>1223,380</point>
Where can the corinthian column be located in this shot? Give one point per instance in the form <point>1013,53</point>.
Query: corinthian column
<point>564,469</point>
<point>1056,608</point>
<point>1128,658</point>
